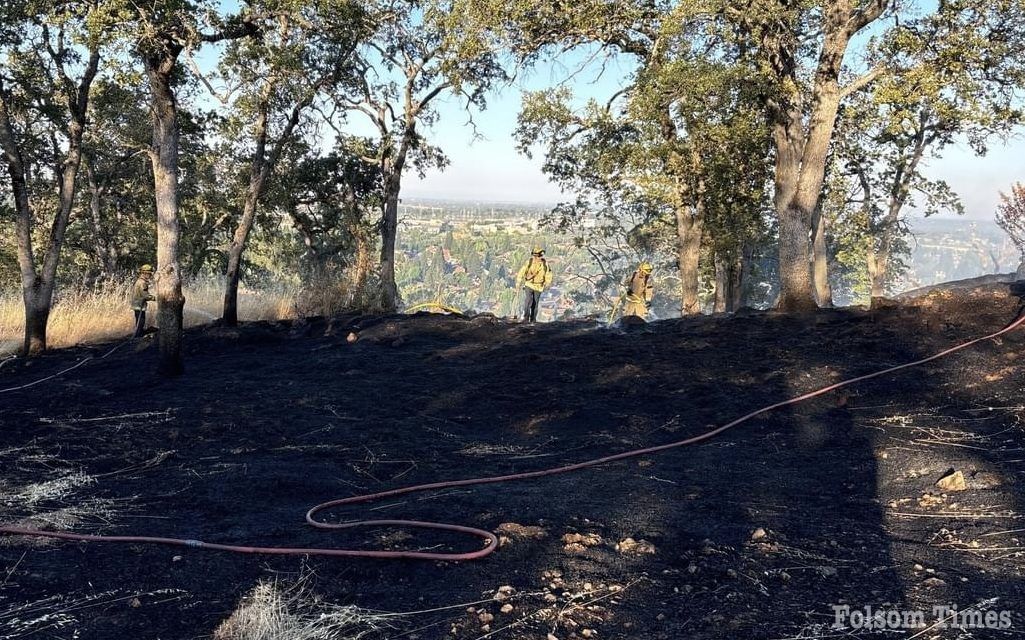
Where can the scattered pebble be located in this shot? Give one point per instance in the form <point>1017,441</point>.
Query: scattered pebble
<point>635,547</point>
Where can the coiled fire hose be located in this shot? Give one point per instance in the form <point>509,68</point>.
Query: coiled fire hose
<point>490,540</point>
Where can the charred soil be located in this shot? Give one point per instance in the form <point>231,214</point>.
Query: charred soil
<point>755,534</point>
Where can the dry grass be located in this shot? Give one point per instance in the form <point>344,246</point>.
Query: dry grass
<point>85,316</point>
<point>54,499</point>
<point>276,611</point>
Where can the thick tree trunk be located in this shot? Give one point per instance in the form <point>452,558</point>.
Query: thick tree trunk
<point>796,293</point>
<point>164,159</point>
<point>820,260</point>
<point>802,148</point>
<point>37,313</point>
<point>689,227</point>
<point>389,233</point>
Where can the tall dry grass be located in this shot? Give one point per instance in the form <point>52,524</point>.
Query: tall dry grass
<point>82,316</point>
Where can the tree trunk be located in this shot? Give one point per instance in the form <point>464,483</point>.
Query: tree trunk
<point>105,253</point>
<point>802,149</point>
<point>879,259</point>
<point>744,275</point>
<point>820,256</point>
<point>796,293</point>
<point>729,282</point>
<point>37,313</point>
<point>261,166</point>
<point>35,337</point>
<point>689,227</point>
<point>362,263</point>
<point>164,159</point>
<point>229,314</point>
<point>389,232</point>
<point>874,281</point>
<point>879,263</point>
<point>37,287</point>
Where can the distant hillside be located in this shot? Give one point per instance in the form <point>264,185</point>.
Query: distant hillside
<point>945,249</point>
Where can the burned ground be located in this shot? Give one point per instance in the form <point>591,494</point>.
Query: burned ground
<point>754,534</point>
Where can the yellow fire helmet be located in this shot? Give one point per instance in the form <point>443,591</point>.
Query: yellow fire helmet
<point>146,268</point>
<point>645,267</point>
<point>538,251</point>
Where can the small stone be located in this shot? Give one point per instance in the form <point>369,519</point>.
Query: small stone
<point>352,337</point>
<point>934,583</point>
<point>587,633</point>
<point>506,608</point>
<point>550,597</point>
<point>757,534</point>
<point>552,636</point>
<point>486,617</point>
<point>952,482</point>
<point>135,603</point>
<point>918,567</point>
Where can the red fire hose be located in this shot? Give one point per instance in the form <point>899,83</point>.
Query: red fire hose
<point>491,541</point>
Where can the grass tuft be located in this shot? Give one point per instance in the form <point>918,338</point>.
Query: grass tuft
<point>278,611</point>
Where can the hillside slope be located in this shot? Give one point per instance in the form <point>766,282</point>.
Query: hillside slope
<point>755,534</point>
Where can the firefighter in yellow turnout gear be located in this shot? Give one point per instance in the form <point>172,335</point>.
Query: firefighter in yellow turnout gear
<point>535,276</point>
<point>639,291</point>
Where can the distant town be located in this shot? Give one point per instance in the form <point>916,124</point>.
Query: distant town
<point>465,254</point>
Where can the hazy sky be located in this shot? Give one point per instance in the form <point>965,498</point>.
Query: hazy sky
<point>490,168</point>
